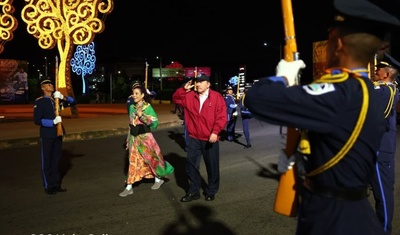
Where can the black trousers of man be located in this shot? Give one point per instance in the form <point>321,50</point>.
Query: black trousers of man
<point>51,153</point>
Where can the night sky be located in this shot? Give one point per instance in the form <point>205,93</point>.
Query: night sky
<point>222,36</point>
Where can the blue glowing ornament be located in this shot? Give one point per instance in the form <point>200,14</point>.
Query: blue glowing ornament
<point>83,62</point>
<point>233,81</point>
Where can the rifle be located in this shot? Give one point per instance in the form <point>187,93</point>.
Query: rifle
<point>57,102</point>
<point>146,72</point>
<point>286,194</point>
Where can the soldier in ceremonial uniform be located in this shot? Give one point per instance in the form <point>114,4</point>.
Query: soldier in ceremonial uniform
<point>231,112</point>
<point>44,114</point>
<point>383,181</point>
<point>343,120</point>
<point>245,114</point>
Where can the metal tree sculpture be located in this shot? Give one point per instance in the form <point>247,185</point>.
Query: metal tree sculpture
<point>83,62</point>
<point>8,23</point>
<point>65,23</point>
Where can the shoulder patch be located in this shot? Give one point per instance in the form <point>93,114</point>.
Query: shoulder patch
<point>319,88</point>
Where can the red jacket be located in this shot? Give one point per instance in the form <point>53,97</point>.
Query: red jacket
<point>211,119</point>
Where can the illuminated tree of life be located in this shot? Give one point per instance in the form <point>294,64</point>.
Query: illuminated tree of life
<point>233,81</point>
<point>8,23</point>
<point>84,62</point>
<point>65,23</point>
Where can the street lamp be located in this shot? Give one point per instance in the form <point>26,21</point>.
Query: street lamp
<point>160,58</point>
<point>45,67</point>
<point>280,48</point>
<point>39,75</point>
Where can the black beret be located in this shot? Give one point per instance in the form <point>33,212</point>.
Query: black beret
<point>389,61</point>
<point>364,16</point>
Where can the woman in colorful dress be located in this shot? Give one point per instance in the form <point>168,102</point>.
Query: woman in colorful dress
<point>145,158</point>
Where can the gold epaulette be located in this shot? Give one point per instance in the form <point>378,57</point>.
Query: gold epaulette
<point>339,77</point>
<point>39,98</point>
<point>389,105</point>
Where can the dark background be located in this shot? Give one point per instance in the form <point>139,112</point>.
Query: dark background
<point>222,36</point>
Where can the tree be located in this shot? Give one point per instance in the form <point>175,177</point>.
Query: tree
<point>65,23</point>
<point>84,62</point>
<point>8,23</point>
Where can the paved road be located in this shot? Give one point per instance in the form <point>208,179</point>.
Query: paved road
<point>94,174</point>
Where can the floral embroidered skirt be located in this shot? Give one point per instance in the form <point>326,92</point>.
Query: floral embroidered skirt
<point>145,159</point>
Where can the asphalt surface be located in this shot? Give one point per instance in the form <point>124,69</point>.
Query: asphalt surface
<point>93,172</point>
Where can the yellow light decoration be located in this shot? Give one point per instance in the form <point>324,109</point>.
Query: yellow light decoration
<point>65,23</point>
<point>8,23</point>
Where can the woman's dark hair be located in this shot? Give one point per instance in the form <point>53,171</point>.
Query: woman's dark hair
<point>147,97</point>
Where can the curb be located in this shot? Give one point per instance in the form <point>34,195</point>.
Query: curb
<point>31,141</point>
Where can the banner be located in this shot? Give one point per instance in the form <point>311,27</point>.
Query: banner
<point>190,71</point>
<point>168,72</point>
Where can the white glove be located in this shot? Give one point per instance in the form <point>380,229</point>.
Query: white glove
<point>58,95</point>
<point>232,106</point>
<point>235,113</point>
<point>285,163</point>
<point>290,70</point>
<point>57,120</point>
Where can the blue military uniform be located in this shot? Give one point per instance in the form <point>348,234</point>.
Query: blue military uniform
<point>318,108</point>
<point>231,109</point>
<point>384,176</point>
<point>50,142</point>
<point>246,116</point>
<point>129,102</point>
<point>342,117</point>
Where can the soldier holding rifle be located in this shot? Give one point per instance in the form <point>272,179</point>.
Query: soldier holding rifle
<point>343,119</point>
<point>382,183</point>
<point>44,115</point>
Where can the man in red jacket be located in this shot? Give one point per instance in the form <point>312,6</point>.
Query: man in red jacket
<point>205,117</point>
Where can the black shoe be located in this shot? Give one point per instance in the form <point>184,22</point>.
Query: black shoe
<point>247,146</point>
<point>210,197</point>
<point>190,196</point>
<point>50,191</point>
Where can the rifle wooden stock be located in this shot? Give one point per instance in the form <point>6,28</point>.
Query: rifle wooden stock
<point>57,102</point>
<point>59,125</point>
<point>286,194</point>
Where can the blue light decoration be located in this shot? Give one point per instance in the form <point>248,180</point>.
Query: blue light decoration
<point>83,62</point>
<point>233,81</point>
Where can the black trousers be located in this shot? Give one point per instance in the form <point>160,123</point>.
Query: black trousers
<point>50,155</point>
<point>210,152</point>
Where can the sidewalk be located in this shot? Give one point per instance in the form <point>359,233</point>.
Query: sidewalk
<point>94,121</point>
